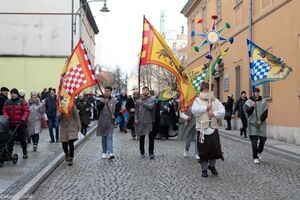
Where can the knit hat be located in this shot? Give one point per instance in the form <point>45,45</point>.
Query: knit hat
<point>14,91</point>
<point>22,92</point>
<point>4,89</point>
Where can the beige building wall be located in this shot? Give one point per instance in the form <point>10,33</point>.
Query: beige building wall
<point>276,28</point>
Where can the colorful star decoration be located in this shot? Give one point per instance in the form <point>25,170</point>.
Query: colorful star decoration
<point>212,37</point>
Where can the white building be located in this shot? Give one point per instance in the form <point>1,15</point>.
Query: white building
<point>36,40</point>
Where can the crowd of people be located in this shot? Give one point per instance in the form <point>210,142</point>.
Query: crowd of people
<point>143,114</point>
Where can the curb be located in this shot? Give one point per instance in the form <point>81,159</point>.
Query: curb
<point>268,148</point>
<point>30,187</point>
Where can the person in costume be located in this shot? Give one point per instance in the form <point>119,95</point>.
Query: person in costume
<point>107,108</point>
<point>208,139</point>
<point>256,110</point>
<point>144,121</point>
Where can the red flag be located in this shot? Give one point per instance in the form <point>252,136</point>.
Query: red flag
<point>76,76</point>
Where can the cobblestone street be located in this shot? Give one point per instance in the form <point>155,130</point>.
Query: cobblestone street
<point>170,175</point>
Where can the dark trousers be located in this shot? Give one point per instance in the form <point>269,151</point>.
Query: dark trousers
<point>68,148</point>
<point>151,143</point>
<point>257,149</point>
<point>53,123</point>
<point>35,139</point>
<point>164,131</point>
<point>228,124</point>
<point>84,129</point>
<point>21,134</point>
<point>244,128</point>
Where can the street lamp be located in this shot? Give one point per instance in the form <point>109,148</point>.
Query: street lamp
<point>104,9</point>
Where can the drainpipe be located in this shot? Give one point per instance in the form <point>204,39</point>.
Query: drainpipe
<point>250,37</point>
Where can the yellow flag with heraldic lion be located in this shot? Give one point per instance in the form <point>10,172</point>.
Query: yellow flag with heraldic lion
<point>156,51</point>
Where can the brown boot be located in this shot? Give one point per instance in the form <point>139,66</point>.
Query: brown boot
<point>67,157</point>
<point>70,161</point>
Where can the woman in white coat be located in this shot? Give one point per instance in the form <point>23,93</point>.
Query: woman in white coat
<point>37,109</point>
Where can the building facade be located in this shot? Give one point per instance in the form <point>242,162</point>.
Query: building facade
<point>36,40</point>
<point>275,27</point>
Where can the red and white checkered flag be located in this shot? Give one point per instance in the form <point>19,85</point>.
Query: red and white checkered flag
<point>77,75</point>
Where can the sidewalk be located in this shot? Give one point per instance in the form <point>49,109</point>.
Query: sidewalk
<point>15,177</point>
<point>284,149</point>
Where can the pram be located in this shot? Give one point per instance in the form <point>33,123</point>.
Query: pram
<point>5,138</point>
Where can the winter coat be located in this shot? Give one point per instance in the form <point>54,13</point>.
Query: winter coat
<point>70,126</point>
<point>239,107</point>
<point>37,110</point>
<point>262,114</point>
<point>121,105</point>
<point>106,121</point>
<point>130,105</point>
<point>144,115</point>
<point>51,107</point>
<point>16,110</point>
<point>165,113</point>
<point>228,108</point>
<point>84,114</point>
<point>3,98</point>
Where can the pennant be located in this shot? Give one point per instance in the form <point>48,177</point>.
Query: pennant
<point>167,94</point>
<point>156,51</point>
<point>264,66</point>
<point>76,76</point>
<point>201,73</point>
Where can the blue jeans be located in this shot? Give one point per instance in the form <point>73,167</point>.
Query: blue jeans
<point>107,142</point>
<point>191,137</point>
<point>53,123</point>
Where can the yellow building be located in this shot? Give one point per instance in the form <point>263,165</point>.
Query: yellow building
<point>275,27</point>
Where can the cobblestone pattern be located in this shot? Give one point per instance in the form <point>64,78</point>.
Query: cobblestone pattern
<point>170,175</point>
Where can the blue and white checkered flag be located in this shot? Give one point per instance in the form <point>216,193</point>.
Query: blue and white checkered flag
<point>264,66</point>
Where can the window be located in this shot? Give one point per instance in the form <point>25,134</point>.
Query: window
<point>267,90</point>
<point>193,29</point>
<point>238,16</point>
<point>237,82</point>
<point>219,9</point>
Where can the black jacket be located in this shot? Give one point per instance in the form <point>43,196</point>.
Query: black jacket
<point>239,107</point>
<point>3,98</point>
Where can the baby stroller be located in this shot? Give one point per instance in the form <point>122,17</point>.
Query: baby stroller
<point>5,138</point>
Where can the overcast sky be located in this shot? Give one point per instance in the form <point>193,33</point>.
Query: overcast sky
<point>120,36</point>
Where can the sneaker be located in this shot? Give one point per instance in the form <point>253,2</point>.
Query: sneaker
<point>204,173</point>
<point>185,153</point>
<point>213,170</point>
<point>245,136</point>
<point>104,155</point>
<point>151,156</point>
<point>111,156</point>
<point>256,161</point>
<point>259,156</point>
<point>197,157</point>
<point>142,155</point>
<point>51,141</point>
<point>34,147</point>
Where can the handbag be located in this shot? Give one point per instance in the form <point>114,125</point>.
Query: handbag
<point>44,122</point>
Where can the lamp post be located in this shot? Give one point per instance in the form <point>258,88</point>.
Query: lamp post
<point>73,21</point>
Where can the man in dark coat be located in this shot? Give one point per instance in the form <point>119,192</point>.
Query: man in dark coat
<point>3,98</point>
<point>130,106</point>
<point>84,107</point>
<point>51,111</point>
<point>239,108</point>
<point>228,111</point>
<point>16,110</point>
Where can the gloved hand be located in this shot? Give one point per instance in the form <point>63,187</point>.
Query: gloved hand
<point>22,123</point>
